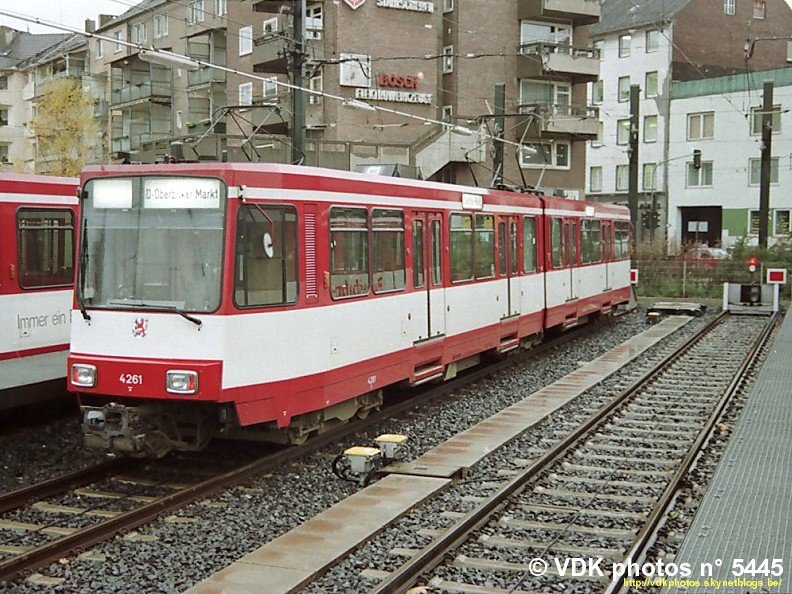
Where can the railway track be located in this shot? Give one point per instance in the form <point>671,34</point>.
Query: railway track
<point>55,538</point>
<point>600,493</point>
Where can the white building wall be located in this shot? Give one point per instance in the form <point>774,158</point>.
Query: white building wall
<point>730,150</point>
<point>636,65</point>
<point>14,134</point>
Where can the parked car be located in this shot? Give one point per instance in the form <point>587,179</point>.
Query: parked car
<point>704,254</point>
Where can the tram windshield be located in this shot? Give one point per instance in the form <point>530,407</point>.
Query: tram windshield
<point>152,242</point>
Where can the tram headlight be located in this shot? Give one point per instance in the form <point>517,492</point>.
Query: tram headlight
<point>179,381</point>
<point>83,375</point>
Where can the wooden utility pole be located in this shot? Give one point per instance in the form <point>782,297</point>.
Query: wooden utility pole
<point>632,185</point>
<point>297,79</point>
<point>500,123</point>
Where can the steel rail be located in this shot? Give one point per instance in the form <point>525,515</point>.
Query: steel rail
<point>431,555</point>
<point>78,478</point>
<point>647,535</point>
<point>61,547</point>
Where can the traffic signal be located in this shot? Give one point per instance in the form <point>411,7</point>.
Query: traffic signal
<point>753,263</point>
<point>696,159</point>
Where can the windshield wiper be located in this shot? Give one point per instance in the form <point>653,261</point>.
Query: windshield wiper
<point>172,308</point>
<point>82,270</point>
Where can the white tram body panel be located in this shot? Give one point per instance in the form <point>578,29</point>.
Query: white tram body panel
<point>37,230</point>
<point>387,280</point>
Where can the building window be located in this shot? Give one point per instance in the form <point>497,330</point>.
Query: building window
<point>448,59</point>
<point>99,53</point>
<point>139,32</point>
<point>546,94</point>
<point>756,171</point>
<point>551,155</point>
<point>160,26</point>
<point>196,12</point>
<point>3,153</point>
<point>597,90</point>
<point>315,84</point>
<point>245,41</point>
<point>624,45</point>
<point>118,46</point>
<point>599,48</point>
<point>46,248</point>
<point>314,21</point>
<point>595,179</point>
<point>697,178</point>
<point>651,84</point>
<point>246,93</point>
<point>3,116</point>
<point>701,125</point>
<point>729,6</point>
<point>652,40</point>
<point>649,180</point>
<point>448,5</point>
<point>753,222</point>
<point>623,131</point>
<point>270,86</point>
<point>650,129</point>
<point>598,140</point>
<point>221,7</point>
<point>781,222</point>
<point>622,177</point>
<point>756,119</point>
<point>270,26</point>
<point>624,88</point>
<point>448,112</point>
<point>759,9</point>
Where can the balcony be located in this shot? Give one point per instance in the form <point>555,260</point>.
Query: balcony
<point>143,91</point>
<point>272,6</point>
<point>205,76</point>
<point>100,109</point>
<point>269,53</point>
<point>547,58</point>
<point>205,125</point>
<point>124,144</point>
<point>580,12</point>
<point>580,120</point>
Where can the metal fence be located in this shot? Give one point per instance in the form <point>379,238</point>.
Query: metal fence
<point>696,278</point>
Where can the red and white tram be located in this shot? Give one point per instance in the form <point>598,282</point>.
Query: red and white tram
<point>37,219</point>
<point>216,297</point>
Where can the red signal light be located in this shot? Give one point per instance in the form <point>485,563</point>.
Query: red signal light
<point>753,263</point>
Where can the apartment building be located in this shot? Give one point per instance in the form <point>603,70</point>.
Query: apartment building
<point>654,45</point>
<point>16,92</point>
<point>718,203</point>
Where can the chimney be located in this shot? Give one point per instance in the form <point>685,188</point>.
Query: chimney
<point>90,25</point>
<point>104,19</point>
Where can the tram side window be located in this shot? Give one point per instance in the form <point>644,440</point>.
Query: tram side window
<point>556,247</point>
<point>437,254</point>
<point>590,239</point>
<point>529,244</point>
<point>418,253</point>
<point>461,247</point>
<point>349,252</point>
<point>266,256</point>
<point>46,247</point>
<point>484,248</point>
<point>622,240</point>
<point>387,247</point>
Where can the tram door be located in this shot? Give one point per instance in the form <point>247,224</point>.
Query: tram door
<point>507,264</point>
<point>570,255</point>
<point>427,252</point>
<point>607,251</point>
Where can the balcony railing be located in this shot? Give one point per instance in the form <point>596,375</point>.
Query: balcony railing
<point>562,118</point>
<point>204,76</point>
<point>139,91</point>
<point>545,57</point>
<point>132,141</point>
<point>201,127</point>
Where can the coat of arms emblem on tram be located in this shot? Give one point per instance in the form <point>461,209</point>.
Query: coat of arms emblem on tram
<point>140,328</point>
<point>354,4</point>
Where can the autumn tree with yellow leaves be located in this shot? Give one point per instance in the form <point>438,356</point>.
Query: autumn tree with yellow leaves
<point>64,128</point>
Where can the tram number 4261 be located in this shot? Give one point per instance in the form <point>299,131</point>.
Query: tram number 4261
<point>131,379</point>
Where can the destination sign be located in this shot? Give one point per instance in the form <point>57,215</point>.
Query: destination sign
<point>181,192</point>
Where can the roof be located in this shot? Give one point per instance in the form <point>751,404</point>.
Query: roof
<point>618,15</point>
<point>142,6</point>
<point>736,83</point>
<point>25,45</point>
<point>72,42</point>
